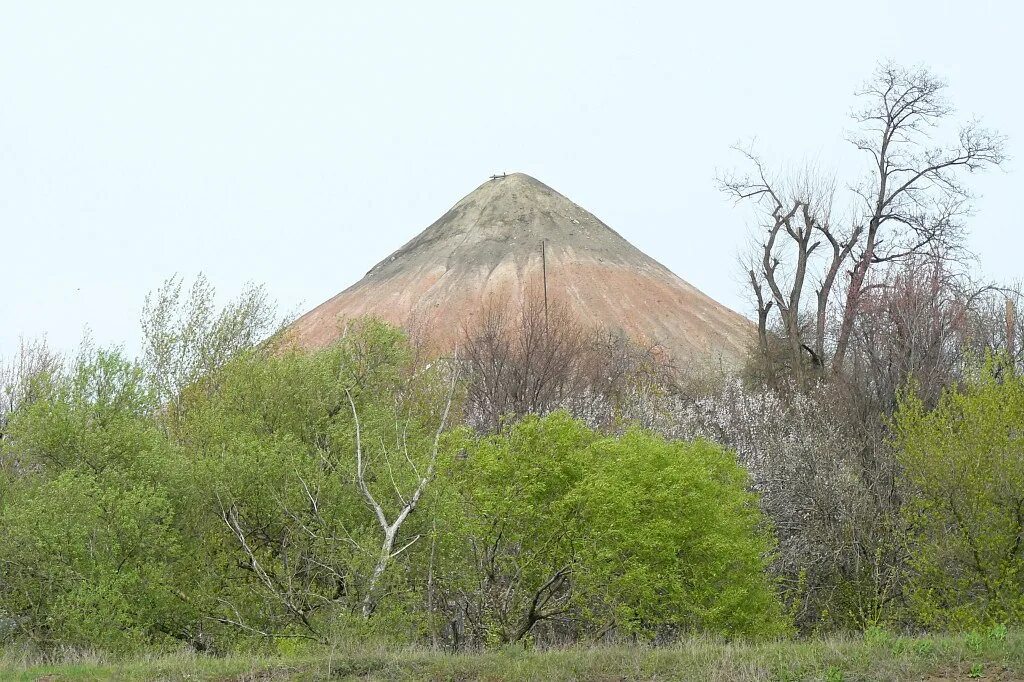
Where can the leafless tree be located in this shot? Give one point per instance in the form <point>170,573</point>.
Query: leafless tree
<point>996,325</point>
<point>913,326</point>
<point>914,198</point>
<point>912,201</point>
<point>521,358</point>
<point>875,297</point>
<point>798,249</point>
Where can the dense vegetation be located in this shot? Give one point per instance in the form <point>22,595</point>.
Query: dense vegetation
<point>309,496</point>
<point>288,495</point>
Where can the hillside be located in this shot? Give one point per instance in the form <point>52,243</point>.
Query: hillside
<point>487,248</point>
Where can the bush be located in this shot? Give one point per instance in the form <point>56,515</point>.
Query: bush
<point>563,533</point>
<point>243,513</point>
<point>91,545</point>
<point>964,465</point>
<point>674,542</point>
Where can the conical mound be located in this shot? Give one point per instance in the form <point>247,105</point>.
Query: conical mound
<point>488,246</point>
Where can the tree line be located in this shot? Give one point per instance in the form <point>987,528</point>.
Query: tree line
<point>222,499</point>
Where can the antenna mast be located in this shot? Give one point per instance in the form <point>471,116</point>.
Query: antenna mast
<point>1011,327</point>
<point>544,269</point>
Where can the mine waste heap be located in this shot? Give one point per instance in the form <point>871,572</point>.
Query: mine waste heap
<point>507,239</point>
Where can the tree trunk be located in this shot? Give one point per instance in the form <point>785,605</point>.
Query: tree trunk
<point>369,603</point>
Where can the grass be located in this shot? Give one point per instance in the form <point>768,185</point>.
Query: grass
<point>998,655</point>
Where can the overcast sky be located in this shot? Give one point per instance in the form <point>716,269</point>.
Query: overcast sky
<point>298,143</point>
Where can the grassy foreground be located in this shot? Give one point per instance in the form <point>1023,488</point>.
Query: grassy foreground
<point>878,656</point>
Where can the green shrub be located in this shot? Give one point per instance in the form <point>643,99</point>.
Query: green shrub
<point>90,544</point>
<point>233,516</point>
<point>673,541</point>
<point>963,468</point>
<point>568,533</point>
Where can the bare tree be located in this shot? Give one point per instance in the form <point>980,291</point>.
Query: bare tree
<point>912,202</point>
<point>913,326</point>
<point>995,325</point>
<point>798,249</point>
<point>531,357</point>
<point>914,198</point>
<point>521,359</point>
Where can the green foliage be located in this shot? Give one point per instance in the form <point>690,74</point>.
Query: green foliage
<point>674,542</point>
<point>274,442</point>
<point>924,647</point>
<point>237,518</point>
<point>565,531</point>
<point>91,552</point>
<point>510,539</point>
<point>240,513</point>
<point>964,471</point>
<point>877,636</point>
<point>186,337</point>
<point>834,674</point>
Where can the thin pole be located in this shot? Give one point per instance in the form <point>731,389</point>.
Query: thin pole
<point>1011,327</point>
<point>544,268</point>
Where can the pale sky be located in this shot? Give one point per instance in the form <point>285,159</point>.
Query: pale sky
<point>296,144</point>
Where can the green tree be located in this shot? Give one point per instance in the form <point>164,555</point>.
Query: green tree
<point>314,463</point>
<point>186,337</point>
<point>564,533</point>
<point>91,547</point>
<point>964,469</point>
